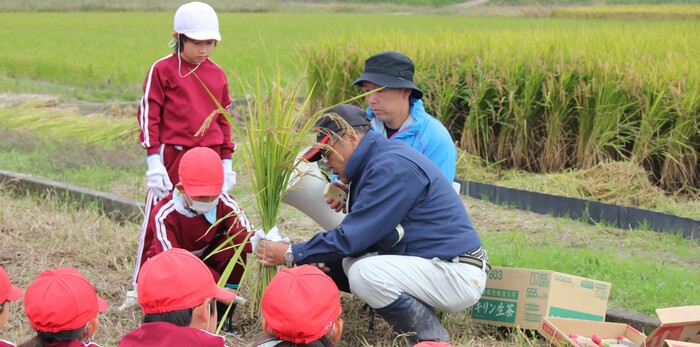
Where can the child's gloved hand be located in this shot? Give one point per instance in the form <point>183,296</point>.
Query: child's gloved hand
<point>158,180</point>
<point>229,175</point>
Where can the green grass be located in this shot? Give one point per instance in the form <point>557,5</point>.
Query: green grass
<point>639,264</point>
<point>106,55</point>
<point>110,169</point>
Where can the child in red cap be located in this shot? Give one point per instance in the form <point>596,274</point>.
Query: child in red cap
<point>62,307</point>
<point>175,104</point>
<point>183,218</point>
<point>178,294</point>
<point>8,293</point>
<point>301,305</point>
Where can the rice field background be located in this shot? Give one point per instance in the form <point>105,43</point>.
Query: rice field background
<point>103,57</point>
<point>533,94</point>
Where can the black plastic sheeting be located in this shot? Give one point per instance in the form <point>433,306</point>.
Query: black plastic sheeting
<point>623,217</point>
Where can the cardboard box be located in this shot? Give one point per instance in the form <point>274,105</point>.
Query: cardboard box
<point>557,331</point>
<point>677,323</point>
<point>522,297</point>
<point>672,343</point>
<point>680,327</point>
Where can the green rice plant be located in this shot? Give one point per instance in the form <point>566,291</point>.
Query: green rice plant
<point>443,85</point>
<point>481,95</point>
<point>680,166</point>
<point>526,111</point>
<point>652,131</point>
<point>275,129</point>
<point>629,11</point>
<point>604,124</point>
<point>559,113</point>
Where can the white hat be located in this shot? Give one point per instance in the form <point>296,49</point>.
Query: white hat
<point>198,21</point>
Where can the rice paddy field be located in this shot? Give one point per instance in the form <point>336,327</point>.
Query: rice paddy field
<point>583,103</point>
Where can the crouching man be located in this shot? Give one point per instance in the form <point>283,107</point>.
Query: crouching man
<point>407,244</point>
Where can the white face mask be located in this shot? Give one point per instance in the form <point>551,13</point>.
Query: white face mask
<point>204,207</point>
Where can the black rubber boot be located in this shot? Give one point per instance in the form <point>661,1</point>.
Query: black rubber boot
<point>407,315</point>
<point>220,311</point>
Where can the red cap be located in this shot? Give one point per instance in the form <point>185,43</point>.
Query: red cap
<point>432,344</point>
<point>301,304</point>
<point>201,172</point>
<point>8,292</point>
<point>176,280</point>
<point>61,299</point>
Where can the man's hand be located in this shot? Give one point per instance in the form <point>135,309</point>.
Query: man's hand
<point>321,266</point>
<point>158,180</point>
<point>338,205</point>
<point>271,253</point>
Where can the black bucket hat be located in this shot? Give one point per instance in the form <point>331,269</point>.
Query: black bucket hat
<point>391,70</point>
<point>329,122</point>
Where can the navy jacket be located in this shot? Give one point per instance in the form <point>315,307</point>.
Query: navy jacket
<point>392,184</point>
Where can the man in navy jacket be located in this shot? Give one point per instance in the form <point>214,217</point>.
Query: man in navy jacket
<point>407,244</point>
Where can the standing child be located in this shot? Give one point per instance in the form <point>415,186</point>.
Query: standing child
<point>8,293</point>
<point>186,218</point>
<point>62,307</point>
<point>176,103</point>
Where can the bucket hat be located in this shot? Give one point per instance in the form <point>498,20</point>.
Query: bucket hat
<point>197,21</point>
<point>391,70</point>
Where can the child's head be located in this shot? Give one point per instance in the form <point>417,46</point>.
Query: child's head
<point>177,287</point>
<point>8,293</point>
<point>62,305</point>
<point>196,32</point>
<point>201,178</point>
<point>302,305</point>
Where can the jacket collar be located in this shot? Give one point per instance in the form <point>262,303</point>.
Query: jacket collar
<point>412,124</point>
<point>363,154</point>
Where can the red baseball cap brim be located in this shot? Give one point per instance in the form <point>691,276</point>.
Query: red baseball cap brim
<point>210,190</point>
<point>15,293</point>
<point>224,295</point>
<point>314,153</point>
<point>101,305</point>
<point>8,292</point>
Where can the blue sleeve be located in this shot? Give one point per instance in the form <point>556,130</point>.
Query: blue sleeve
<point>441,151</point>
<point>381,205</point>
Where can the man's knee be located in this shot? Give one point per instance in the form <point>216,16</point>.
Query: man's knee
<point>367,281</point>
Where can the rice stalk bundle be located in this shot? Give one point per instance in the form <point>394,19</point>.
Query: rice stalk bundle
<point>275,128</point>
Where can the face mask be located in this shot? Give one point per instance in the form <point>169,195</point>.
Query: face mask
<point>204,207</point>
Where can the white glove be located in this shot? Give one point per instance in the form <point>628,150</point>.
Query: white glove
<point>158,180</point>
<point>229,176</point>
<point>273,235</point>
<point>259,235</point>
